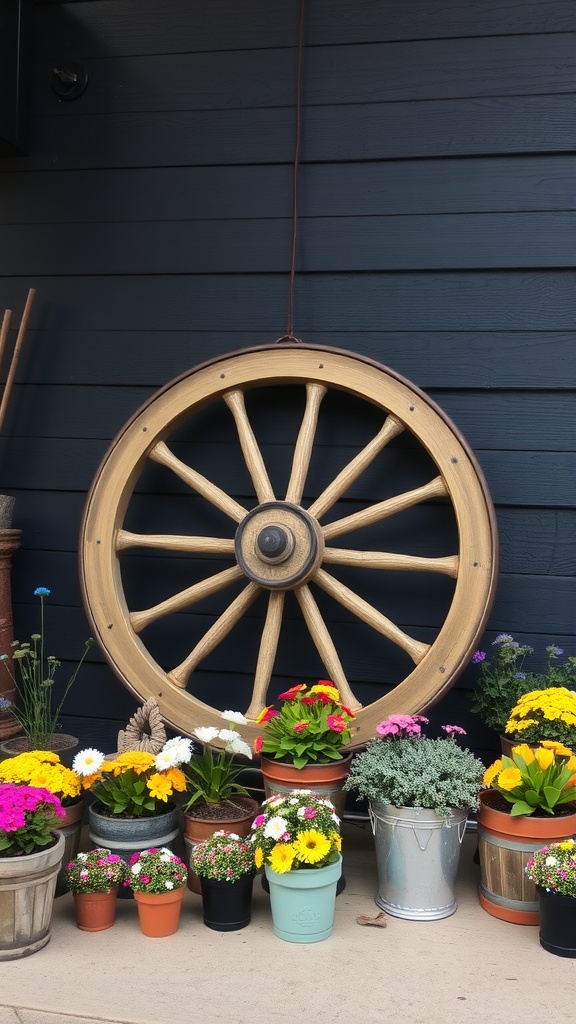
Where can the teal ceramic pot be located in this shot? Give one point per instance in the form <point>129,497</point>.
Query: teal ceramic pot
<point>303,901</point>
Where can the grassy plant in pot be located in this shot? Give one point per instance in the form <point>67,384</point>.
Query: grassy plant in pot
<point>224,862</point>
<point>215,799</point>
<point>157,878</point>
<point>42,768</point>
<point>31,851</point>
<point>419,791</point>
<point>531,801</point>
<point>303,743</point>
<point>94,879</point>
<point>552,869</point>
<point>34,674</point>
<point>296,839</point>
<point>133,796</point>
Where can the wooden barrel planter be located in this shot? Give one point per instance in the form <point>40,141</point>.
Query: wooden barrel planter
<point>504,845</point>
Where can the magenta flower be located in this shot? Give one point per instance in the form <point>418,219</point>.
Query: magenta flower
<point>453,730</point>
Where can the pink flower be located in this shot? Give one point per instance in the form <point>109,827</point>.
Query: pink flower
<point>145,879</point>
<point>258,744</point>
<point>259,820</point>
<point>300,726</point>
<point>309,813</point>
<point>336,723</point>
<point>453,730</point>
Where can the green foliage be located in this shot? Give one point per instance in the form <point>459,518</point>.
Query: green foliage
<point>212,778</point>
<point>533,780</point>
<point>311,726</point>
<point>126,795</point>
<point>224,856</point>
<point>417,772</point>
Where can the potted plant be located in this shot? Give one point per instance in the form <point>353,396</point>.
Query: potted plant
<point>548,714</point>
<point>303,742</point>
<point>157,878</point>
<point>552,869</point>
<point>224,862</point>
<point>419,791</point>
<point>94,878</point>
<point>215,798</point>
<point>133,806</point>
<point>296,839</point>
<point>504,679</point>
<point>31,851</point>
<point>531,801</point>
<point>43,768</point>
<point>33,674</point>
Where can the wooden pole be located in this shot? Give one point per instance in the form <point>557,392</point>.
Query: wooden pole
<point>15,354</point>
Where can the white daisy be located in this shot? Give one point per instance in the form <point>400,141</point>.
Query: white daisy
<point>136,868</point>
<point>228,735</point>
<point>87,761</point>
<point>165,858</point>
<point>275,827</point>
<point>239,746</point>
<point>166,759</point>
<point>551,861</point>
<point>169,885</point>
<point>234,716</point>
<point>205,733</point>
<point>181,747</point>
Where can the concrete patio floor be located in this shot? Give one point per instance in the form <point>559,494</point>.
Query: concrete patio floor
<point>469,967</point>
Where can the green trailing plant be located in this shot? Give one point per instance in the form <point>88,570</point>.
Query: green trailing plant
<point>406,769</point>
<point>33,673</point>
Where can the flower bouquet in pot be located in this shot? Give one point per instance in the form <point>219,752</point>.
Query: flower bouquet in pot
<point>31,851</point>
<point>157,878</point>
<point>420,791</point>
<point>303,744</point>
<point>296,839</point>
<point>531,799</point>
<point>552,869</point>
<point>224,863</point>
<point>94,879</point>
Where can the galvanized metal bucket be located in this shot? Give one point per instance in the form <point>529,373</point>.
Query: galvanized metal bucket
<point>418,852</point>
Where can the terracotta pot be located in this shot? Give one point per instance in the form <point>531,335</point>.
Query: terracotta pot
<point>70,829</point>
<point>27,886</point>
<point>504,845</point>
<point>197,828</point>
<point>324,779</point>
<point>159,913</point>
<point>95,911</point>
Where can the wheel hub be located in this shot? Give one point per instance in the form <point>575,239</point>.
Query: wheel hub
<point>279,545</point>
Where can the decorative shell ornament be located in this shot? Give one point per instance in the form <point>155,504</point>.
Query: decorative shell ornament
<point>145,730</point>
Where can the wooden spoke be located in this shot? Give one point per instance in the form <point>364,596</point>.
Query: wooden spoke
<point>305,442</point>
<point>214,636</point>
<point>383,509</point>
<point>252,454</point>
<point>391,427</point>
<point>174,542</point>
<point>215,495</point>
<point>387,560</point>
<point>365,611</point>
<point>211,585</point>
<point>267,653</point>
<point>325,645</point>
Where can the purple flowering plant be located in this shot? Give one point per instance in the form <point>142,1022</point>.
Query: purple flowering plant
<point>96,871</point>
<point>29,816</point>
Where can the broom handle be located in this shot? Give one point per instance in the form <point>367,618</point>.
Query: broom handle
<point>15,355</point>
<point>4,332</point>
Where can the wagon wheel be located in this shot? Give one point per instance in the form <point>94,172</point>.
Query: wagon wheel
<point>278,545</point>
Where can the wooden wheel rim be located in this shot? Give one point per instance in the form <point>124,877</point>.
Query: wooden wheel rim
<point>319,367</point>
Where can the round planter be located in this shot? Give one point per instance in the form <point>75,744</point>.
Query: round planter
<point>70,828</point>
<point>227,906</point>
<point>126,836</point>
<point>302,902</point>
<point>557,923</point>
<point>159,913</point>
<point>61,743</point>
<point>504,845</point>
<point>27,886</point>
<point>418,853</point>
<point>197,828</point>
<point>95,911</point>
<point>326,780</point>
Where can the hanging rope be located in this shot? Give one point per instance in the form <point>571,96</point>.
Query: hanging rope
<point>289,336</point>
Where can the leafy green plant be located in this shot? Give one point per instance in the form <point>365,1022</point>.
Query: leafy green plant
<point>211,777</point>
<point>312,726</point>
<point>34,681</point>
<point>534,780</point>
<point>405,769</point>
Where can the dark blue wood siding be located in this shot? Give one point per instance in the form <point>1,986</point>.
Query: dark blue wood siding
<point>437,235</point>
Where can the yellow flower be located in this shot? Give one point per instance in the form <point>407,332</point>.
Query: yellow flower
<point>330,691</point>
<point>282,858</point>
<point>258,857</point>
<point>557,747</point>
<point>509,778</point>
<point>544,757</point>
<point>336,840</point>
<point>176,778</point>
<point>138,760</point>
<point>311,846</point>
<point>88,780</point>
<point>160,787</point>
<point>491,772</point>
<point>524,751</point>
<point>567,844</point>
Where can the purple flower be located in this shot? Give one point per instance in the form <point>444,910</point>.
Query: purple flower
<point>478,656</point>
<point>453,730</point>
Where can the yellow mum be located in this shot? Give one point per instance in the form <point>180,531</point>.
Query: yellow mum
<point>312,846</point>
<point>282,858</point>
<point>330,691</point>
<point>491,772</point>
<point>138,760</point>
<point>176,778</point>
<point>160,787</point>
<point>258,857</point>
<point>509,778</point>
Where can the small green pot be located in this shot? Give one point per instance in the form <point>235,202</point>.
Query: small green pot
<point>303,901</point>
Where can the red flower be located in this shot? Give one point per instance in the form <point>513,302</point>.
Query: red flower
<point>324,698</point>
<point>291,693</point>
<point>348,711</point>
<point>300,726</point>
<point>258,744</point>
<point>308,701</point>
<point>336,723</point>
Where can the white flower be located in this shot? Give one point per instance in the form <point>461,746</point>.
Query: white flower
<point>239,746</point>
<point>164,849</point>
<point>301,811</point>
<point>166,759</point>
<point>303,792</point>
<point>82,856</point>
<point>87,761</point>
<point>234,716</point>
<point>165,858</point>
<point>228,735</point>
<point>205,733</point>
<point>275,827</point>
<point>181,748</point>
<point>169,885</point>
<point>551,861</point>
<point>336,820</point>
<point>293,800</point>
<point>136,868</point>
<point>232,835</point>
